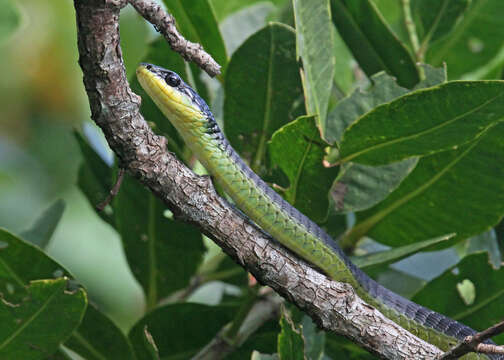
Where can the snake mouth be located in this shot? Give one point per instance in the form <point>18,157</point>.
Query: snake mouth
<point>168,91</point>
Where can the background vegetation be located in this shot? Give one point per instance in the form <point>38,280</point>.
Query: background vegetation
<point>55,166</point>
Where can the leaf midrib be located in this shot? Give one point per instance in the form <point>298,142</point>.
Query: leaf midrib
<point>32,318</point>
<point>421,133</point>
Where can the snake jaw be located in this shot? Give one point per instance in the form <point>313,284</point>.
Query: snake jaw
<point>174,101</point>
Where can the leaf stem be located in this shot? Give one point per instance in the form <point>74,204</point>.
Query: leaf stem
<point>411,29</point>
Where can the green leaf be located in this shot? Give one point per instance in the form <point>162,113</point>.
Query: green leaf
<point>98,338</point>
<point>486,241</point>
<point>383,89</point>
<point>443,295</point>
<point>372,43</point>
<point>42,230</point>
<point>391,256</point>
<point>48,305</point>
<point>197,23</point>
<point>359,187</point>
<point>20,263</point>
<point>94,178</point>
<point>263,340</point>
<point>159,53</point>
<point>237,27</point>
<point>314,339</point>
<point>290,341</point>
<point>474,41</point>
<point>397,281</point>
<point>134,33</point>
<point>228,7</point>
<point>314,48</point>
<point>173,329</point>
<point>10,19</point>
<point>424,122</point>
<point>299,151</point>
<point>458,191</point>
<point>435,18</point>
<point>262,86</point>
<point>163,254</point>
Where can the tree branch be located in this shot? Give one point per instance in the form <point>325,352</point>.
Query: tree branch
<point>115,108</point>
<point>165,24</point>
<point>475,343</point>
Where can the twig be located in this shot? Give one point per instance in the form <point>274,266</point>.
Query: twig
<point>475,343</point>
<point>332,305</point>
<point>165,25</point>
<point>113,192</point>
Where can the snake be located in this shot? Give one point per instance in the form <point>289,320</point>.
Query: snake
<point>195,123</point>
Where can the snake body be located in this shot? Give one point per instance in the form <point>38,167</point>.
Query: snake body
<point>194,121</point>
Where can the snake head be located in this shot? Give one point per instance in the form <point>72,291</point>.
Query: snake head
<point>177,100</point>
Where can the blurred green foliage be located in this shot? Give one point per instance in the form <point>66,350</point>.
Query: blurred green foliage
<point>133,257</point>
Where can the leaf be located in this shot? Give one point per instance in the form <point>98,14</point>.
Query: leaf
<point>10,19</point>
<point>359,187</point>
<point>263,340</point>
<point>424,121</point>
<point>20,263</point>
<point>196,21</point>
<point>474,41</point>
<point>262,86</point>
<point>228,7</point>
<point>434,18</point>
<point>387,257</point>
<point>383,89</point>
<point>134,33</point>
<point>98,338</point>
<point>298,150</point>
<point>314,339</point>
<point>240,25</point>
<point>442,294</point>
<point>457,191</point>
<point>42,230</point>
<point>158,53</point>
<point>486,241</point>
<point>94,178</point>
<point>48,305</point>
<point>163,254</point>
<point>173,329</point>
<point>372,43</point>
<point>290,341</point>
<point>314,48</point>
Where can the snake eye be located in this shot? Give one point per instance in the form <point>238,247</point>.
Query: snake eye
<point>172,80</point>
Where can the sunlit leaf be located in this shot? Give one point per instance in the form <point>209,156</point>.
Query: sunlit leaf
<point>314,47</point>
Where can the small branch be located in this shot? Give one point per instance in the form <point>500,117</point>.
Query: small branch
<point>113,192</point>
<point>332,305</point>
<point>165,25</point>
<point>410,25</point>
<point>475,343</point>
